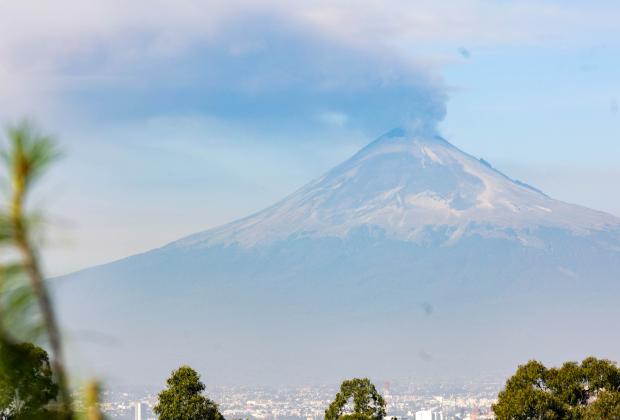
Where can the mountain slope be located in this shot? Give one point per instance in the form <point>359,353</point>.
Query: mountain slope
<point>402,184</point>
<point>412,259</point>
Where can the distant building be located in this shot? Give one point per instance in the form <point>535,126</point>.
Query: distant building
<point>428,415</point>
<point>386,388</point>
<point>139,411</point>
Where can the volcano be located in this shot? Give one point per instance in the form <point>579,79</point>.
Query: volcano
<point>412,259</point>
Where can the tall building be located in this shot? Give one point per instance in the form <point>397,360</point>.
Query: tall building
<point>139,411</point>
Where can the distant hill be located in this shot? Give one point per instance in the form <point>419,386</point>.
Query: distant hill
<point>412,259</point>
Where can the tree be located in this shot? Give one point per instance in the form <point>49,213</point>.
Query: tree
<point>27,156</point>
<point>183,399</point>
<point>26,382</point>
<point>574,391</point>
<point>367,403</point>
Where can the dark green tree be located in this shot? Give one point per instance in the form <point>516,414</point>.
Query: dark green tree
<point>601,374</point>
<point>183,399</point>
<point>357,400</point>
<point>526,395</point>
<point>574,391</point>
<point>26,382</point>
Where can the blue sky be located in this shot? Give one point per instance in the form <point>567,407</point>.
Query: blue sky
<point>177,116</point>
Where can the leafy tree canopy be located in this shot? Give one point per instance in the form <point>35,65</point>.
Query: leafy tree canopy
<point>26,383</point>
<point>183,399</point>
<point>357,400</point>
<point>590,390</point>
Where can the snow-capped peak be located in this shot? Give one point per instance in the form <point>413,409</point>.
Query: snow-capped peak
<point>404,184</point>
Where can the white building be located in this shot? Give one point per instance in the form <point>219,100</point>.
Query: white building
<point>428,415</point>
<point>139,411</point>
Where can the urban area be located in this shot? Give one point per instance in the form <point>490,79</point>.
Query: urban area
<point>410,401</point>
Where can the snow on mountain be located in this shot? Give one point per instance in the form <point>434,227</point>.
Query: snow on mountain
<point>401,184</point>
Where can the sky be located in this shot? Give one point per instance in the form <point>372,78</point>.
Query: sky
<point>178,116</point>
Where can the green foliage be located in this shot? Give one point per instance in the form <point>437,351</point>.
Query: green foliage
<point>26,309</point>
<point>606,407</point>
<point>26,382</point>
<point>29,154</point>
<point>183,399</point>
<point>20,319</point>
<point>367,403</point>
<point>590,390</point>
<point>526,395</point>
